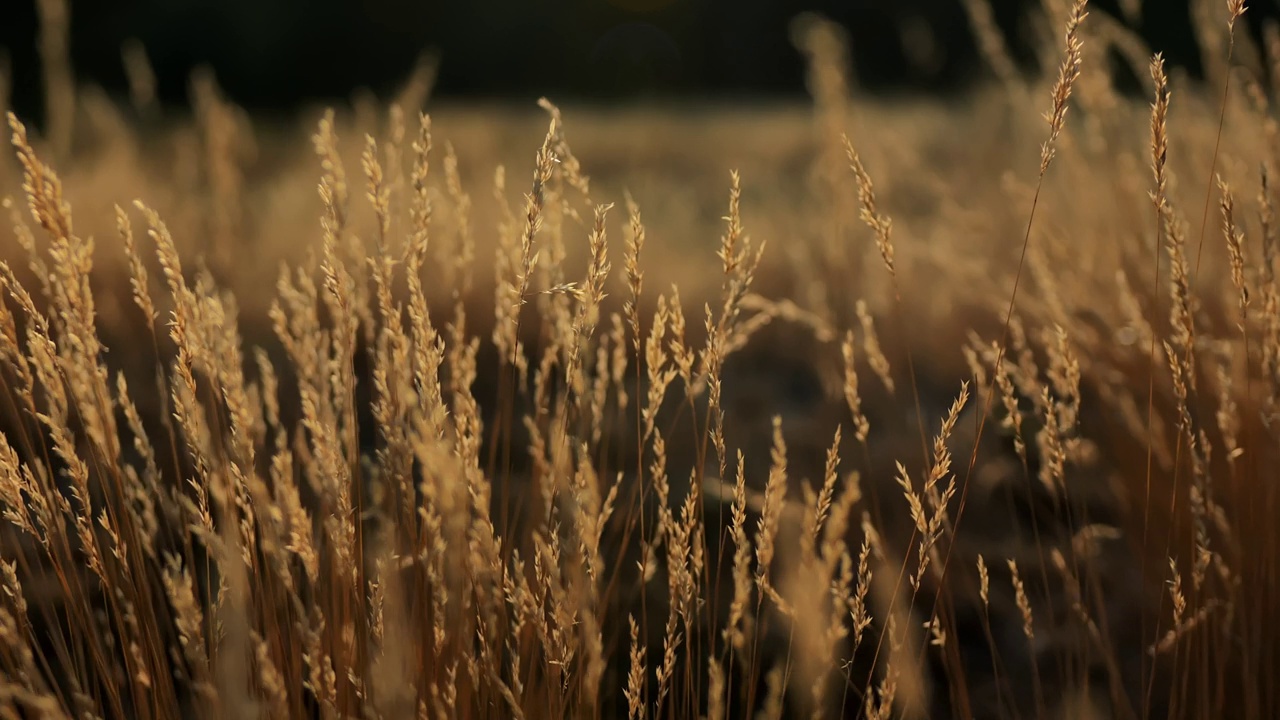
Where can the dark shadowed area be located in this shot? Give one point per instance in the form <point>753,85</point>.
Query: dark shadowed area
<point>277,54</point>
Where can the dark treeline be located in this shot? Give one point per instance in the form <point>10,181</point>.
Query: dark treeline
<point>275,54</point>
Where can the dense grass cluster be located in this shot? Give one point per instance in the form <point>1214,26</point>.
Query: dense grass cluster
<point>983,430</point>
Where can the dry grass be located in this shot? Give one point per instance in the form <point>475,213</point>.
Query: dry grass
<point>912,411</point>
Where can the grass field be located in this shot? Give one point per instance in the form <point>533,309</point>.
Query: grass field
<point>864,408</point>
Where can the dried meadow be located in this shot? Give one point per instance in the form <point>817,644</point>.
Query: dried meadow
<point>854,410</point>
